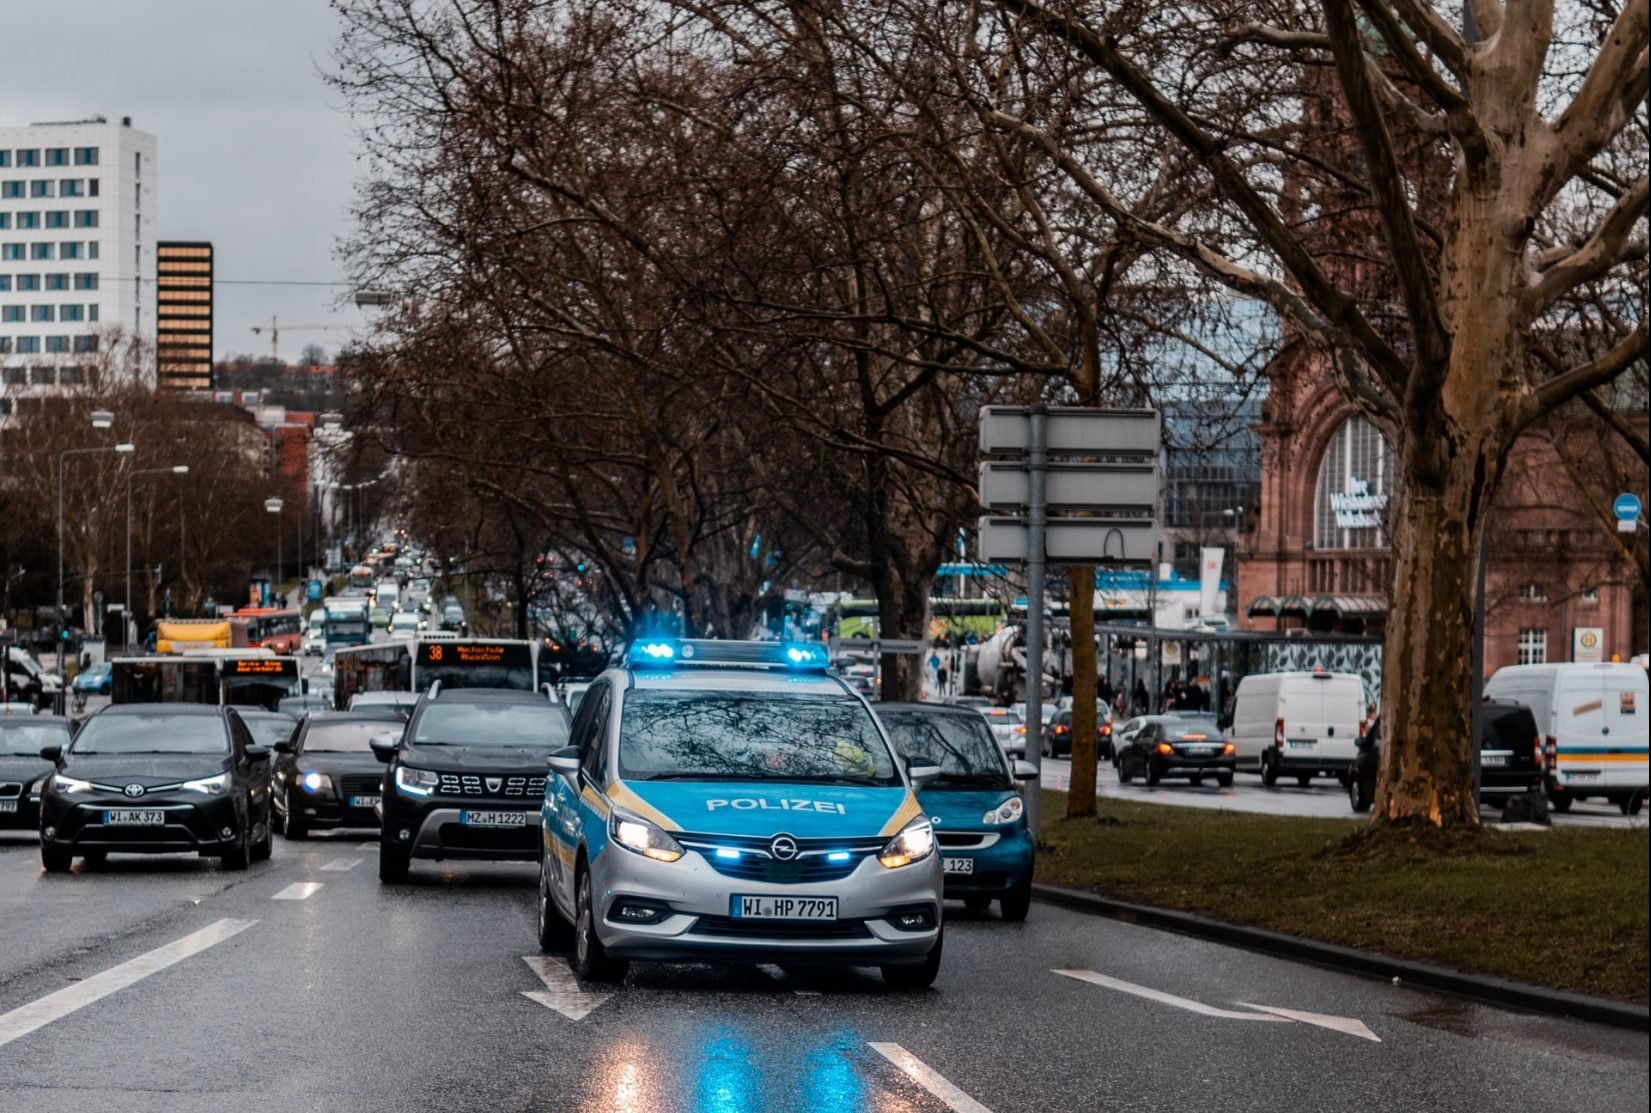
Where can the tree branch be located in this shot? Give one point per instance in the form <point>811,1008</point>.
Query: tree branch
<point>1605,248</point>
<point>1596,372</point>
<point>1616,83</point>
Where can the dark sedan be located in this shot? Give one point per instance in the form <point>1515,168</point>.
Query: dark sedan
<point>1170,746</point>
<point>156,779</point>
<point>22,769</point>
<point>1057,735</point>
<point>327,775</point>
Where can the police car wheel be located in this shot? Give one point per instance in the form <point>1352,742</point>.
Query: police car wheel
<point>590,961</point>
<point>555,933</point>
<point>917,977</point>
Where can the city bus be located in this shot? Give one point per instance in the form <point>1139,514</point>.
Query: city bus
<point>179,635</point>
<point>236,678</point>
<point>271,628</point>
<point>411,666</point>
<point>362,576</point>
<point>345,620</point>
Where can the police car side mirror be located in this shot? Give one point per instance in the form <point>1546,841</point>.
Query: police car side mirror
<point>564,761</point>
<point>1025,771</point>
<point>53,754</point>
<point>384,746</point>
<point>922,775</point>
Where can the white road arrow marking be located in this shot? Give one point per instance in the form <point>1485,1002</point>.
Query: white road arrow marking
<point>1344,1024</point>
<point>929,1078</point>
<point>562,991</point>
<point>1323,1020</point>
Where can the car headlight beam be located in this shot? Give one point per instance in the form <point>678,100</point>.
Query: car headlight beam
<point>208,786</point>
<point>644,838</point>
<point>1007,812</point>
<point>315,782</point>
<point>416,782</point>
<point>914,843</point>
<point>69,785</point>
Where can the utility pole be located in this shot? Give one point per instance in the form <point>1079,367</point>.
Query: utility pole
<point>1036,523</point>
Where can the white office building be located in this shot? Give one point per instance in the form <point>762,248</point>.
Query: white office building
<point>77,238</point>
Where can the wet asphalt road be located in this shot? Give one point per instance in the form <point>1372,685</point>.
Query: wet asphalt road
<point>361,997</point>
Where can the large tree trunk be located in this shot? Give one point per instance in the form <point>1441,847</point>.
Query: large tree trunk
<point>1080,798</point>
<point>903,612</point>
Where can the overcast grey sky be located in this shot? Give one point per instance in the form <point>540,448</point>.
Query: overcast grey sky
<point>255,152</point>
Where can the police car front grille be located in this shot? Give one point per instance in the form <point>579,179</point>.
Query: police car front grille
<point>475,784</point>
<point>730,928</point>
<point>798,871</point>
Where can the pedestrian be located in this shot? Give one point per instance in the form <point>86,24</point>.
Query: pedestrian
<point>1103,691</point>
<point>1143,700</point>
<point>942,675</point>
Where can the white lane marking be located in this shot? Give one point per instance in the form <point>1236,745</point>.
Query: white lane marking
<point>298,890</point>
<point>562,991</point>
<point>928,1078</point>
<point>54,1006</point>
<point>1163,998</point>
<point>1345,1024</point>
<point>367,845</point>
<point>339,865</point>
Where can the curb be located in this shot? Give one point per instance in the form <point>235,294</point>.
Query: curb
<point>1495,991</point>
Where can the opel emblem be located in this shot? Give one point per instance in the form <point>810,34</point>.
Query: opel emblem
<point>134,790</point>
<point>783,848</point>
<point>495,783</point>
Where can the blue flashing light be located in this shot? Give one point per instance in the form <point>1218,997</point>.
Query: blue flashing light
<point>838,856</point>
<point>727,854</point>
<point>806,656</point>
<point>655,653</point>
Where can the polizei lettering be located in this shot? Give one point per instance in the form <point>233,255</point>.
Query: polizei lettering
<point>750,804</point>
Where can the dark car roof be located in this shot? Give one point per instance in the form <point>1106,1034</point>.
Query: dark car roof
<point>32,720</point>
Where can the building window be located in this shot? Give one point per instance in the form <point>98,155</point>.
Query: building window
<point>57,282</point>
<point>71,313</point>
<point>85,218</point>
<point>1351,502</point>
<point>57,345</point>
<point>1532,593</point>
<point>11,190</point>
<point>40,188</point>
<point>1533,647</point>
<point>85,156</point>
<point>5,345</point>
<point>91,187</point>
<point>57,156</point>
<point>43,376</point>
<point>5,157</point>
<point>28,282</point>
<point>5,283</point>
<point>15,376</point>
<point>27,221</point>
<point>1590,597</point>
<point>41,250</point>
<point>71,187</point>
<point>92,248</point>
<point>28,345</point>
<point>86,281</point>
<point>11,314</point>
<point>28,157</point>
<point>5,220</point>
<point>70,376</point>
<point>71,249</point>
<point>85,344</point>
<point>91,314</point>
<point>41,314</point>
<point>58,219</point>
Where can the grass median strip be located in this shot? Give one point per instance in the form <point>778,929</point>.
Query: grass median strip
<point>1565,908</point>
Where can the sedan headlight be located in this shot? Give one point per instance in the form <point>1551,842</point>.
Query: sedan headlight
<point>69,785</point>
<point>914,843</point>
<point>643,837</point>
<point>1007,812</point>
<point>416,782</point>
<point>316,782</point>
<point>208,786</point>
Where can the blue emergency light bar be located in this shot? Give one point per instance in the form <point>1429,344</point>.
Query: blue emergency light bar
<point>655,653</point>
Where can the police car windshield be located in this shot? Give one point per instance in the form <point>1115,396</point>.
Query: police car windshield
<point>24,738</point>
<point>717,736</point>
<point>491,724</point>
<point>961,745</point>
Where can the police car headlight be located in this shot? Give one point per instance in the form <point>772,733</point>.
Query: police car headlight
<point>643,837</point>
<point>69,785</point>
<point>914,843</point>
<point>1007,812</point>
<point>416,782</point>
<point>208,786</point>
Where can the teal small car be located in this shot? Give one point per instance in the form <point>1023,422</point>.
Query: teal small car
<point>974,804</point>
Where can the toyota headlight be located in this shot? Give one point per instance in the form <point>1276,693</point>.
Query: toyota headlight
<point>416,782</point>
<point>208,786</point>
<point>1007,812</point>
<point>69,785</point>
<point>645,838</point>
<point>914,843</point>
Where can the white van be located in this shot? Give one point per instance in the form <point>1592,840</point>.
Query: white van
<point>1593,722</point>
<point>1297,724</point>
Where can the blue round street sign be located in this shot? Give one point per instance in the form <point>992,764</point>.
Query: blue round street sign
<point>1627,506</point>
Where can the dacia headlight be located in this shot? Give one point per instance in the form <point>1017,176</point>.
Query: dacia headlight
<point>69,785</point>
<point>208,786</point>
<point>914,843</point>
<point>1007,812</point>
<point>643,837</point>
<point>416,782</point>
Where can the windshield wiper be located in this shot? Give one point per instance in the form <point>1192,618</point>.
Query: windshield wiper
<point>830,779</point>
<point>993,779</point>
<point>686,777</point>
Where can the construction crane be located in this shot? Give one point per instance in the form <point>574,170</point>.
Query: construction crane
<point>275,328</point>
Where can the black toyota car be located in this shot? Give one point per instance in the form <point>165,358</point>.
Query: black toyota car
<point>327,774</point>
<point>22,769</point>
<point>155,779</point>
<point>467,777</point>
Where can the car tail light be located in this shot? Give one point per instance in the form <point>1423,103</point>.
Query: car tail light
<point>1061,728</point>
<point>1550,756</point>
<point>1278,734</point>
<point>1103,729</point>
<point>1165,748</point>
<point>1536,751</point>
<point>1229,748</point>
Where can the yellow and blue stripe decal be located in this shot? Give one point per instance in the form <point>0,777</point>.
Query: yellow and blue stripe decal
<point>754,809</point>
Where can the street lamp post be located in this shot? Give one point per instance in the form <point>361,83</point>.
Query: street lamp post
<point>101,419</point>
<point>273,506</point>
<point>176,469</point>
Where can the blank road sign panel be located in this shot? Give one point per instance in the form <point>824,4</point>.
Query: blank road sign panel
<point>1007,431</point>
<point>1008,486</point>
<point>1072,540</point>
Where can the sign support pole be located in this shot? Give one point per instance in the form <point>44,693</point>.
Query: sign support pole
<point>1036,522</point>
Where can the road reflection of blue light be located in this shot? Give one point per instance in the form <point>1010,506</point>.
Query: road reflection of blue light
<point>831,1082</point>
<point>727,1082</point>
<point>735,1077</point>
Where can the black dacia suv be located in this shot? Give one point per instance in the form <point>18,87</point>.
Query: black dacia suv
<point>466,777</point>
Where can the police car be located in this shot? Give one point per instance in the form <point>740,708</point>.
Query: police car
<point>733,801</point>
